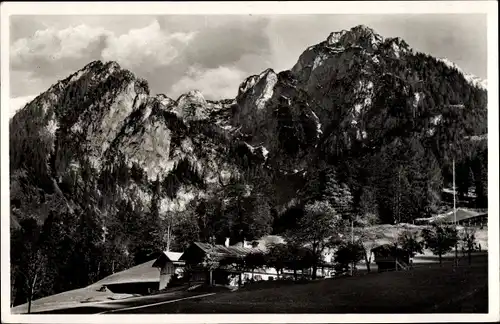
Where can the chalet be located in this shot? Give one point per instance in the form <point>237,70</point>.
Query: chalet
<point>225,273</point>
<point>169,264</point>
<point>388,257</point>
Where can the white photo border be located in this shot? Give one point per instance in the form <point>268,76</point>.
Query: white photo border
<point>489,8</point>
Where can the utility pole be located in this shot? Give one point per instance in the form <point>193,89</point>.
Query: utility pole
<point>455,213</point>
<point>399,194</point>
<point>352,241</point>
<point>352,231</point>
<point>168,235</point>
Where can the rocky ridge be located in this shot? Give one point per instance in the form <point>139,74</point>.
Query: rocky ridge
<point>326,102</point>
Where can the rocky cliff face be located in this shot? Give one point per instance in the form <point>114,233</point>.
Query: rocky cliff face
<point>103,116</point>
<point>343,94</point>
<point>333,95</point>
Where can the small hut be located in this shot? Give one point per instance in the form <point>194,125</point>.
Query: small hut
<point>389,257</point>
<point>168,262</point>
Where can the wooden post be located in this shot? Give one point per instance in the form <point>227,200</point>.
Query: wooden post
<point>352,241</point>
<point>455,214</point>
<point>168,236</point>
<point>32,291</point>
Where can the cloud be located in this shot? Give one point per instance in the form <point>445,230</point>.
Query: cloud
<point>179,52</point>
<point>18,103</point>
<point>51,54</point>
<point>224,40</point>
<point>52,44</point>
<point>238,43</point>
<point>147,47</point>
<point>221,82</point>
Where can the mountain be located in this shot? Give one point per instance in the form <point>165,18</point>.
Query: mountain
<point>472,79</point>
<point>365,114</point>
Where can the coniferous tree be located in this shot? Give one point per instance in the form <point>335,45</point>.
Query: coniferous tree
<point>337,194</point>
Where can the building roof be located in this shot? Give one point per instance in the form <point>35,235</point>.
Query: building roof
<point>172,256</point>
<point>143,272</point>
<point>167,256</point>
<point>222,251</point>
<point>386,247</point>
<point>449,217</point>
<point>470,194</point>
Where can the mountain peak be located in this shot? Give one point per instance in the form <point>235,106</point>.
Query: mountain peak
<point>100,63</point>
<point>191,95</point>
<point>191,105</point>
<point>362,29</point>
<point>360,35</point>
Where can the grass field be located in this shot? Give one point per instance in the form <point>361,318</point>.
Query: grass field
<point>425,289</point>
<point>140,273</point>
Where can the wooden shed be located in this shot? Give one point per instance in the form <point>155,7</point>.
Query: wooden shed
<point>389,257</point>
<point>168,263</point>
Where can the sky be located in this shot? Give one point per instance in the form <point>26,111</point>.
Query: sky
<point>213,54</point>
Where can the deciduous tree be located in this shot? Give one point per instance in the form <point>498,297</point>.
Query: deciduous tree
<point>314,230</point>
<point>409,241</point>
<point>349,253</point>
<point>254,260</point>
<point>468,239</point>
<point>440,239</point>
<point>277,256</point>
<point>28,259</point>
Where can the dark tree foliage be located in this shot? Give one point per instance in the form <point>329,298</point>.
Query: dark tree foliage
<point>277,257</point>
<point>183,173</point>
<point>440,239</point>
<point>410,242</point>
<point>288,219</point>
<point>28,262</point>
<point>348,255</point>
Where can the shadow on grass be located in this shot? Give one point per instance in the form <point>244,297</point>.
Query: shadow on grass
<point>429,288</point>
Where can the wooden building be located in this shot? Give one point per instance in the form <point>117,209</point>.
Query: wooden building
<point>168,263</point>
<point>389,258</point>
<point>225,274</point>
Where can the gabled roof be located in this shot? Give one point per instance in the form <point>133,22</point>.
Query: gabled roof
<point>221,250</point>
<point>167,256</point>
<point>172,256</point>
